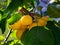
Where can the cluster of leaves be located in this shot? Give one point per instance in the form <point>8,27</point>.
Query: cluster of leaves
<point>11,42</point>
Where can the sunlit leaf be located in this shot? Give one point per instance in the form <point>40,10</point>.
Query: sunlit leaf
<point>53,12</point>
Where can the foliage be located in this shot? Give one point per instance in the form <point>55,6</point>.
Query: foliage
<point>11,11</point>
<point>38,36</point>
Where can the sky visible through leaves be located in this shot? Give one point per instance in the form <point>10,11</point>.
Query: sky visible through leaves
<point>44,7</point>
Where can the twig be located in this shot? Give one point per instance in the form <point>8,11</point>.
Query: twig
<point>23,10</point>
<point>5,40</point>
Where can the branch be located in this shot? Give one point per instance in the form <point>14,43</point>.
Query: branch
<point>5,40</point>
<point>23,10</point>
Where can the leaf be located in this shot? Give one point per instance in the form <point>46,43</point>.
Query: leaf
<point>3,25</point>
<point>1,12</point>
<point>38,36</point>
<point>57,23</point>
<point>0,17</point>
<point>55,30</point>
<point>28,3</point>
<point>14,18</point>
<point>53,12</point>
<point>1,37</point>
<point>14,4</point>
<point>58,1</point>
<point>9,42</point>
<point>12,42</point>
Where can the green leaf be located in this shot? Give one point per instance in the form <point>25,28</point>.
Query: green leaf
<point>1,37</point>
<point>3,22</point>
<point>14,18</point>
<point>8,42</point>
<point>38,36</point>
<point>12,42</point>
<point>1,12</point>
<point>13,6</point>
<point>28,3</point>
<point>58,1</point>
<point>3,25</point>
<point>53,12</point>
<point>55,30</point>
<point>0,17</point>
<point>59,23</point>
